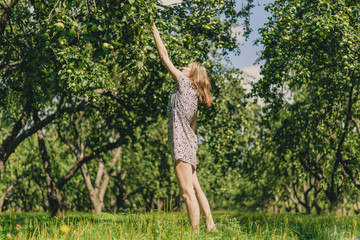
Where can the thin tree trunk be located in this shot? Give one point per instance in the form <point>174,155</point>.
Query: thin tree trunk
<point>356,208</point>
<point>102,189</point>
<point>53,193</point>
<point>344,212</point>
<point>96,206</point>
<point>97,192</point>
<point>315,203</point>
<point>1,166</point>
<point>276,210</point>
<point>121,188</point>
<point>107,174</point>
<point>357,124</point>
<point>44,195</point>
<point>333,191</point>
<point>288,206</point>
<point>293,197</point>
<point>8,190</point>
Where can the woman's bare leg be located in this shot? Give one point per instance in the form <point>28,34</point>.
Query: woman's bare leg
<point>204,204</point>
<point>184,172</point>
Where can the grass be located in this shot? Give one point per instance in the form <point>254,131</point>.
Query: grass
<point>174,225</point>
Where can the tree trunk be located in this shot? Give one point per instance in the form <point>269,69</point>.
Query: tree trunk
<point>288,206</point>
<point>1,164</point>
<point>95,201</point>
<point>276,210</point>
<point>344,212</point>
<point>55,203</point>
<point>46,205</point>
<point>8,190</point>
<point>53,193</point>
<point>159,203</point>
<point>356,208</point>
<point>97,192</point>
<point>318,209</point>
<point>294,198</point>
<point>333,198</point>
<point>121,189</point>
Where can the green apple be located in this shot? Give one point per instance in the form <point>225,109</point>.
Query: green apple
<point>72,32</point>
<point>59,26</point>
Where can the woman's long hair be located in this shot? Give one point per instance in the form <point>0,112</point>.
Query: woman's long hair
<point>201,82</point>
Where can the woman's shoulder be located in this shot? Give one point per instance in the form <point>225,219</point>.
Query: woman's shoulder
<point>185,82</point>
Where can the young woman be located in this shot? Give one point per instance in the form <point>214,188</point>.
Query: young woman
<point>192,87</point>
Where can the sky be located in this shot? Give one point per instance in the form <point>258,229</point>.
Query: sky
<point>249,52</point>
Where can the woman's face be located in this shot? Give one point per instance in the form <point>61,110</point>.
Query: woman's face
<point>186,70</point>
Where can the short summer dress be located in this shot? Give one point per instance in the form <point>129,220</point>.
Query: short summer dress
<point>182,109</point>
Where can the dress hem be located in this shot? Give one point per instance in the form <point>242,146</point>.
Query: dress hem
<point>192,164</point>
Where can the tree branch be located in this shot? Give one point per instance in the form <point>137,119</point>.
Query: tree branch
<point>60,184</point>
<point>10,143</point>
<point>339,157</point>
<point>99,173</point>
<point>87,179</point>
<point>53,8</point>
<point>8,190</point>
<point>4,17</point>
<point>65,140</point>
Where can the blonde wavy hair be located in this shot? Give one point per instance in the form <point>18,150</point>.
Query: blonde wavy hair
<point>201,81</point>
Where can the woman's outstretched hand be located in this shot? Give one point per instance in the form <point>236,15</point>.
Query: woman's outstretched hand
<point>153,26</point>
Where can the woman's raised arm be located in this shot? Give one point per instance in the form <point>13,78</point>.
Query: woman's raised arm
<point>163,53</point>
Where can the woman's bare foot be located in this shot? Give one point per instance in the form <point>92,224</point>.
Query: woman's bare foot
<point>212,229</point>
<point>210,225</point>
<point>195,229</point>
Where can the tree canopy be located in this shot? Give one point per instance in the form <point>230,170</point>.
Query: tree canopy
<point>83,99</point>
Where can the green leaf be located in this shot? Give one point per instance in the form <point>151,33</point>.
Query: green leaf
<point>127,7</point>
<point>140,64</point>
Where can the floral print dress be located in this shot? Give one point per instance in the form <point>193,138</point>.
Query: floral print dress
<point>182,109</point>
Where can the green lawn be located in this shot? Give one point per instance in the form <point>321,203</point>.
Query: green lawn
<point>174,225</point>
